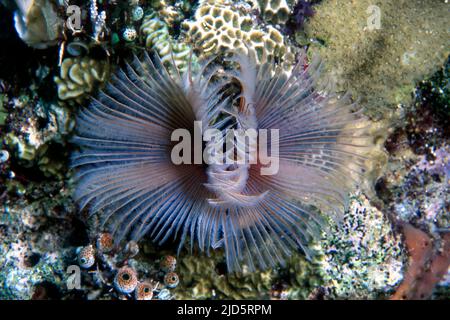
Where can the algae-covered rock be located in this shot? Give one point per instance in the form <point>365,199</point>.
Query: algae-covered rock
<point>39,134</point>
<point>363,258</point>
<point>378,49</point>
<point>220,28</point>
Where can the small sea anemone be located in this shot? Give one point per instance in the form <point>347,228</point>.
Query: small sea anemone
<point>171,280</point>
<point>105,242</point>
<point>129,34</point>
<point>86,257</point>
<point>168,263</point>
<point>144,291</point>
<point>125,280</point>
<point>126,175</point>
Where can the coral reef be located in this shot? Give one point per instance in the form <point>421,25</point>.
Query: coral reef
<point>40,129</point>
<point>360,259</point>
<point>33,250</point>
<point>206,278</point>
<point>79,77</point>
<point>380,64</point>
<point>41,235</point>
<point>121,272</point>
<point>303,9</point>
<point>172,12</point>
<point>415,185</point>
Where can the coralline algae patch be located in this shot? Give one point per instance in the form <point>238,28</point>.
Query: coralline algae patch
<point>378,49</point>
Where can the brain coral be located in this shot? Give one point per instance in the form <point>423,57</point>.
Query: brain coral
<point>275,11</point>
<point>79,77</point>
<point>224,28</point>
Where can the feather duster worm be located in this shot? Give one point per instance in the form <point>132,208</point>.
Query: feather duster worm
<point>125,173</point>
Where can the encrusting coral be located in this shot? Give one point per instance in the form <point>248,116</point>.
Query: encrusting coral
<point>275,11</point>
<point>79,77</point>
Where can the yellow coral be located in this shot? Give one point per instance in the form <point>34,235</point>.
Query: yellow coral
<point>157,37</point>
<point>222,28</point>
<point>79,77</point>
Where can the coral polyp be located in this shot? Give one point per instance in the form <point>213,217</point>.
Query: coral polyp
<point>125,280</point>
<point>144,291</point>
